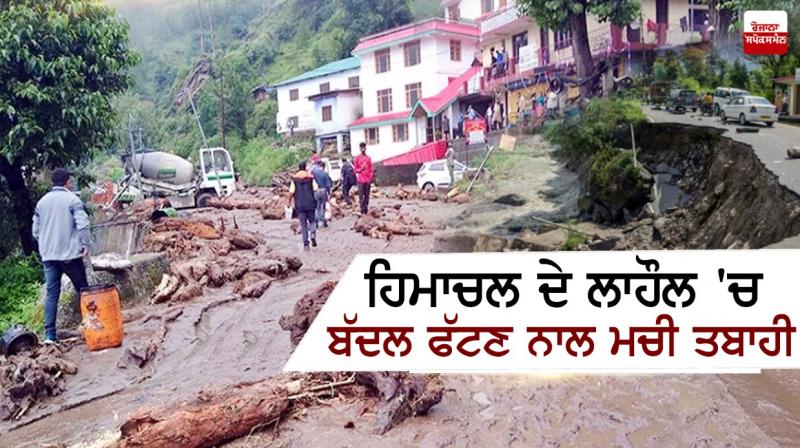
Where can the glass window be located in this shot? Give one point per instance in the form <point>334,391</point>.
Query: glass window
<point>454,12</point>
<point>372,136</point>
<point>413,92</point>
<point>455,50</point>
<point>294,95</point>
<point>411,53</point>
<point>487,6</point>
<point>400,132</point>
<point>325,87</point>
<point>383,61</point>
<point>384,101</point>
<point>353,82</point>
<point>437,166</point>
<point>763,101</point>
<point>327,113</point>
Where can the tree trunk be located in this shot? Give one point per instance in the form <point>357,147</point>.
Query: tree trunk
<point>581,51</point>
<point>21,200</point>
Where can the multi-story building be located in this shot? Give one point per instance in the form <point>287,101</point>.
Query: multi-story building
<point>323,100</point>
<point>399,68</point>
<point>535,52</point>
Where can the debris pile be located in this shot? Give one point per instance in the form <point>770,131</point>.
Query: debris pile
<point>30,377</point>
<point>219,256</point>
<point>425,195</point>
<point>382,223</point>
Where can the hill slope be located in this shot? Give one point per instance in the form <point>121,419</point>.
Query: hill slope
<point>247,43</point>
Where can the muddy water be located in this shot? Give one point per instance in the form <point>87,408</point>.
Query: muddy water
<point>242,341</point>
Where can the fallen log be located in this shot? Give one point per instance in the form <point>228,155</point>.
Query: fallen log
<point>212,418</point>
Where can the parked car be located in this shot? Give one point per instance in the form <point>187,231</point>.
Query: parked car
<point>681,100</point>
<point>749,109</point>
<point>724,95</point>
<point>435,175</point>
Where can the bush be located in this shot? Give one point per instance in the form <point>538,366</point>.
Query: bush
<point>615,182</point>
<point>259,159</point>
<point>596,129</point>
<point>19,296</point>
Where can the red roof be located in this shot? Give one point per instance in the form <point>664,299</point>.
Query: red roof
<point>421,154</point>
<point>434,104</point>
<point>379,118</point>
<point>413,29</point>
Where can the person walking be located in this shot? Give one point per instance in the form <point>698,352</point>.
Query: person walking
<point>363,166</point>
<point>497,115</point>
<point>450,155</point>
<point>325,185</point>
<point>552,105</point>
<point>446,127</point>
<point>61,227</point>
<point>460,123</point>
<point>348,180</point>
<point>301,196</point>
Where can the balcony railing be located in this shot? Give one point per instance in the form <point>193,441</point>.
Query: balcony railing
<point>499,18</point>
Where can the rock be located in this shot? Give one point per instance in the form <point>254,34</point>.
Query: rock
<point>512,199</point>
<point>490,243</point>
<point>600,214</point>
<point>481,398</point>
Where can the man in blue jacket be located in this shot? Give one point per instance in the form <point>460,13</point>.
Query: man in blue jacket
<point>325,185</point>
<point>61,227</point>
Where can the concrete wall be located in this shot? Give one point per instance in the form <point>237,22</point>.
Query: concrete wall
<point>302,107</point>
<point>387,147</point>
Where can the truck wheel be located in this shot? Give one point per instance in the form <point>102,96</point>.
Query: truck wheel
<point>202,200</point>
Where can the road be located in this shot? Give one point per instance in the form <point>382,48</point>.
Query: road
<point>769,144</point>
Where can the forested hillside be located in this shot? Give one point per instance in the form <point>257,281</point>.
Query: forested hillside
<point>245,43</point>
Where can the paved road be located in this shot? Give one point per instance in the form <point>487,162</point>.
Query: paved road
<point>770,144</point>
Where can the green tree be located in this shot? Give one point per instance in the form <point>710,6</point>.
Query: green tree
<point>571,14</point>
<point>61,61</point>
<point>738,75</point>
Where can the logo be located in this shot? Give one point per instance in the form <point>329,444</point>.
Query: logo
<point>766,32</point>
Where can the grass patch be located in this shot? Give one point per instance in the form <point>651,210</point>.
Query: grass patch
<point>575,240</point>
<point>19,296</point>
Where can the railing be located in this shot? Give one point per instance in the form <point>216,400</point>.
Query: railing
<point>499,18</point>
<point>500,72</point>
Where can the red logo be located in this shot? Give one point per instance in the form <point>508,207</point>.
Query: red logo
<point>766,32</point>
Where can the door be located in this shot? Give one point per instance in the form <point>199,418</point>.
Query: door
<point>662,11</point>
<point>518,41</point>
<point>736,107</point>
<point>544,46</point>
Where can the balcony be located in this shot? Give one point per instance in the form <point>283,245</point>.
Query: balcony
<point>498,19</point>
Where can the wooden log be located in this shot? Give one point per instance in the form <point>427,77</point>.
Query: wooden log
<point>402,395</point>
<point>211,419</point>
<point>305,311</point>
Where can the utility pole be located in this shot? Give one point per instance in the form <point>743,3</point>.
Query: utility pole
<point>218,66</point>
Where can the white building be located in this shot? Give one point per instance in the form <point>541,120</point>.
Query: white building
<point>402,66</point>
<point>299,97</point>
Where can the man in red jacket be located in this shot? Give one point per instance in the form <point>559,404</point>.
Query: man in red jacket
<point>363,166</point>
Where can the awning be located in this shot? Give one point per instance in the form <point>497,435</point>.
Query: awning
<point>425,153</point>
<point>433,105</point>
<point>380,120</point>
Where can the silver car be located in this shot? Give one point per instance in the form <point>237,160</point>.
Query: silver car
<point>748,109</point>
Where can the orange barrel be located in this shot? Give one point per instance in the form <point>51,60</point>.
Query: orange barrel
<point>102,317</point>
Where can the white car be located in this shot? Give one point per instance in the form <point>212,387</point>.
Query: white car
<point>748,109</point>
<point>724,95</point>
<point>435,175</point>
<point>334,168</point>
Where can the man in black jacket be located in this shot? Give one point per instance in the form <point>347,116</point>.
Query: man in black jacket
<point>301,193</point>
<point>348,180</point>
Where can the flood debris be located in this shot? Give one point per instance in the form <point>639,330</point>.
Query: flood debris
<point>305,311</point>
<point>426,195</point>
<point>220,415</point>
<point>31,377</point>
<point>385,222</point>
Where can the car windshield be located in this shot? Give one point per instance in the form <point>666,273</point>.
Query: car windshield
<point>739,92</point>
<point>759,100</point>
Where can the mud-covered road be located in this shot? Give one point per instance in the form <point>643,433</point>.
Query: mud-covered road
<point>242,341</point>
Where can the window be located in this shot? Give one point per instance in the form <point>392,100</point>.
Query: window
<point>518,41</point>
<point>292,122</point>
<point>384,101</point>
<point>383,61</point>
<point>487,6</point>
<point>413,92</point>
<point>325,87</point>
<point>503,3</point>
<point>455,50</point>
<point>411,53</point>
<point>436,167</point>
<point>400,132</point>
<point>294,95</point>
<point>353,82</point>
<point>454,13</point>
<point>327,113</point>
<point>563,39</point>
<point>372,136</point>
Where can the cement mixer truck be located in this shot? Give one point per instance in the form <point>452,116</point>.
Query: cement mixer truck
<point>160,174</point>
